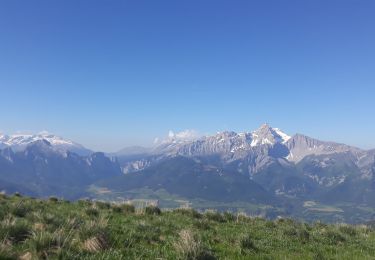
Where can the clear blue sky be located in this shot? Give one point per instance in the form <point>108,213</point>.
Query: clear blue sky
<point>110,74</point>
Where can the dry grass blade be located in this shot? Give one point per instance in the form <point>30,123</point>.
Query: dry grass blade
<point>26,256</point>
<point>188,246</point>
<point>95,244</point>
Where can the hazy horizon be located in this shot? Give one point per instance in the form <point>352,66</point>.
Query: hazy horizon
<point>114,74</point>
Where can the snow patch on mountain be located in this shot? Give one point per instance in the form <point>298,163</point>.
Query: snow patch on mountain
<point>19,142</point>
<point>283,135</point>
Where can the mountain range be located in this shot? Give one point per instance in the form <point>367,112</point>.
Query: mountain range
<point>265,171</point>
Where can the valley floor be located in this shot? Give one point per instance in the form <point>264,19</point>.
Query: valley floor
<point>57,229</point>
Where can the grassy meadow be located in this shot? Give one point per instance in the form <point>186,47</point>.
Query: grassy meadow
<point>58,229</point>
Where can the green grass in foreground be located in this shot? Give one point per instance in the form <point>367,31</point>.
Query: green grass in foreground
<point>56,229</point>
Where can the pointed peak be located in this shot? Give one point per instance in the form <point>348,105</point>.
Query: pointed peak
<point>265,126</point>
<point>265,134</point>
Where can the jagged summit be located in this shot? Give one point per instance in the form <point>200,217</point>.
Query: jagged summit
<point>227,142</point>
<point>268,135</point>
<point>265,134</point>
<point>257,149</point>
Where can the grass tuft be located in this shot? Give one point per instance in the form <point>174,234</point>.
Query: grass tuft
<point>152,210</point>
<point>92,212</point>
<point>16,230</point>
<point>102,205</point>
<point>188,212</point>
<point>53,199</point>
<point>95,244</point>
<point>202,224</point>
<point>17,194</point>
<point>128,208</point>
<point>214,216</point>
<point>334,237</point>
<point>6,252</point>
<point>247,245</point>
<point>348,230</point>
<point>21,210</point>
<point>189,247</point>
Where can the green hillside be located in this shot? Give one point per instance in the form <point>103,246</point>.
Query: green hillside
<point>57,229</point>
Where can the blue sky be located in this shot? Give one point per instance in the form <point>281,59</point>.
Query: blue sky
<point>110,74</point>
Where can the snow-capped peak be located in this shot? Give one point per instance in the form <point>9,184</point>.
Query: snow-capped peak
<point>25,139</point>
<point>268,135</point>
<point>19,142</point>
<point>53,139</point>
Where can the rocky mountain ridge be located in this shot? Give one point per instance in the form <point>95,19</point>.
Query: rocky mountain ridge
<point>265,166</point>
